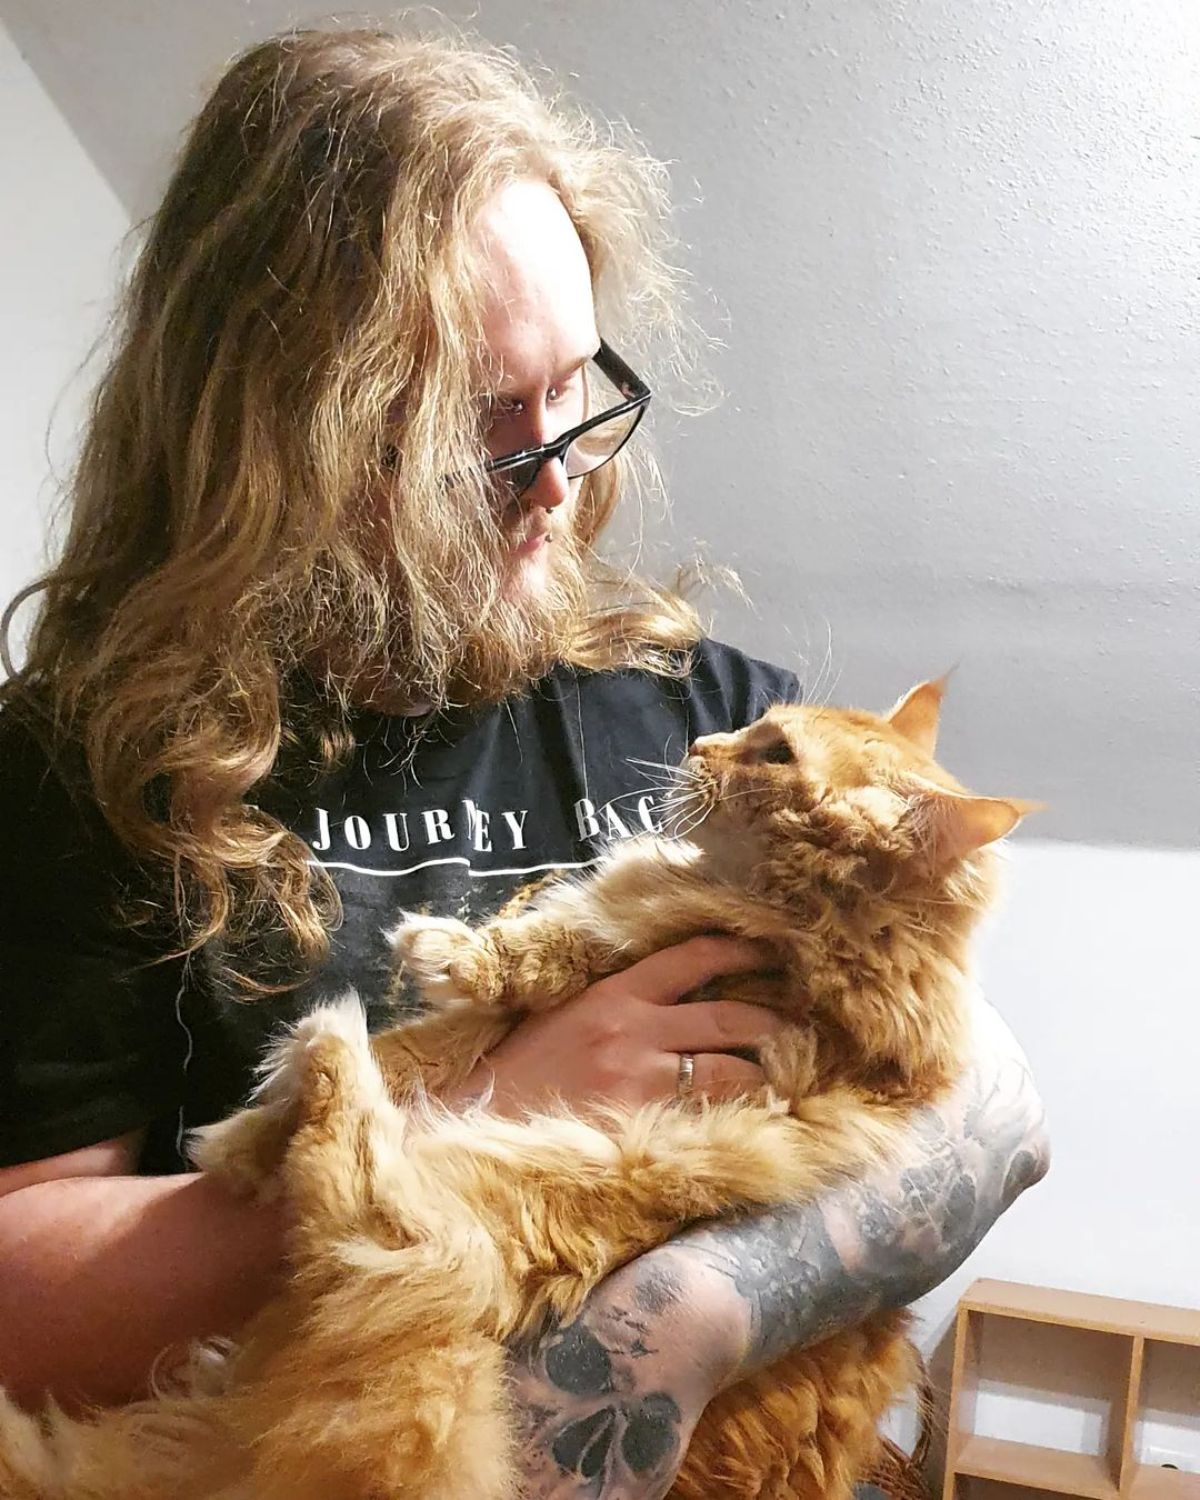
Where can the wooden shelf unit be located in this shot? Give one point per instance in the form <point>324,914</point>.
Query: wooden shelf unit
<point>1130,1329</point>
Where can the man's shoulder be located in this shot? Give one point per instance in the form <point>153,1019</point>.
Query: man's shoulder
<point>717,686</point>
<point>36,775</point>
<point>748,682</point>
<point>47,807</point>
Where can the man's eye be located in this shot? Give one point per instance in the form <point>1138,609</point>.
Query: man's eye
<point>570,390</point>
<point>500,411</point>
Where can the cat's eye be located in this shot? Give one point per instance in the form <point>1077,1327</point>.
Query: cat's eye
<point>778,754</point>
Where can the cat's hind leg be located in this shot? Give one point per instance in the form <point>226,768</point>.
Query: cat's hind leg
<point>384,1380</point>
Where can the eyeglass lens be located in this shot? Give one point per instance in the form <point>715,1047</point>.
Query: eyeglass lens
<point>589,451</point>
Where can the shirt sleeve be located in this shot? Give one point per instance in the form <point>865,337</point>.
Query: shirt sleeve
<point>90,1041</point>
<point>747,686</point>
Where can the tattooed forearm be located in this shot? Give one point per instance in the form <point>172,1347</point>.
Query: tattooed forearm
<point>609,1402</point>
<point>891,1236</point>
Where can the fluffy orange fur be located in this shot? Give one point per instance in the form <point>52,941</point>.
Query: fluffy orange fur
<point>421,1240</point>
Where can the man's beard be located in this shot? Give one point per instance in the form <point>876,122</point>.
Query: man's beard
<point>534,617</point>
<point>510,621</point>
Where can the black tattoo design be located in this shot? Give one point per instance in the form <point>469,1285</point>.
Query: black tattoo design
<point>891,1237</point>
<point>609,1402</point>
<point>595,1421</point>
<point>578,1363</point>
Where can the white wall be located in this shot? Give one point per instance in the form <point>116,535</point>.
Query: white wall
<point>1093,963</point>
<point>62,228</point>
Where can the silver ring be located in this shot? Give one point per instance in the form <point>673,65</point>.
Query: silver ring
<point>687,1074</point>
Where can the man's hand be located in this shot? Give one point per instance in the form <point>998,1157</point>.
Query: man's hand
<point>621,1039</point>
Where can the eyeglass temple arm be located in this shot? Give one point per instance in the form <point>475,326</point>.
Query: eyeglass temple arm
<point>611,363</point>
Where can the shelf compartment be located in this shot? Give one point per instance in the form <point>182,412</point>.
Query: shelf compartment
<point>1101,1389</point>
<point>1063,1389</point>
<point>1167,1419</point>
<point>1152,1482</point>
<point>1035,1467</point>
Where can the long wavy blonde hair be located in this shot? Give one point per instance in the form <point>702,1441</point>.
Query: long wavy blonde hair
<point>304,297</point>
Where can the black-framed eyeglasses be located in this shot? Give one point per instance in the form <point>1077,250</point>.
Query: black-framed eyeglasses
<point>583,449</point>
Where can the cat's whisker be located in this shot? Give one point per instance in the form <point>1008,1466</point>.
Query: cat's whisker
<point>688,829</point>
<point>825,683</point>
<point>694,806</point>
<point>678,813</point>
<point>684,817</point>
<point>662,776</point>
<point>683,789</point>
<point>668,783</point>
<point>705,792</point>
<point>676,835</point>
<point>750,791</point>
<point>673,811</point>
<point>635,794</point>
<point>666,774</point>
<point>676,769</point>
<point>661,787</point>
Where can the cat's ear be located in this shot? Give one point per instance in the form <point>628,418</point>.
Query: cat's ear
<point>916,714</point>
<point>950,826</point>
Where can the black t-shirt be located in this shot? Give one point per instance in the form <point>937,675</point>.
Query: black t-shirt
<point>99,1035</point>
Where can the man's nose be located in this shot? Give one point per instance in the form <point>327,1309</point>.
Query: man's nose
<point>549,489</point>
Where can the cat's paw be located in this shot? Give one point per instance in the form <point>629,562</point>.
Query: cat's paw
<point>247,1149</point>
<point>449,962</point>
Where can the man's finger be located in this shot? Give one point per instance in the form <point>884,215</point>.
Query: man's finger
<point>713,1026</point>
<point>714,1076</point>
<point>667,976</point>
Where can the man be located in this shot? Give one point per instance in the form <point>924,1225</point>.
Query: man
<point>329,638</point>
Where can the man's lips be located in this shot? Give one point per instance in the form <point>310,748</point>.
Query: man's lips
<point>533,539</point>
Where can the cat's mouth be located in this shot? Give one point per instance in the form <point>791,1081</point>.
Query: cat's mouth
<point>714,820</point>
<point>691,796</point>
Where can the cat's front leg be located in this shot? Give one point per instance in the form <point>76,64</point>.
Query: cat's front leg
<point>533,961</point>
<point>439,1051</point>
<point>586,1201</point>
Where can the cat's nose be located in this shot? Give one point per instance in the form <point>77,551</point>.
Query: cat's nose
<point>708,742</point>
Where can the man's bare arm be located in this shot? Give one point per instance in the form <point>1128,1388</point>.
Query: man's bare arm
<point>609,1402</point>
<point>100,1271</point>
